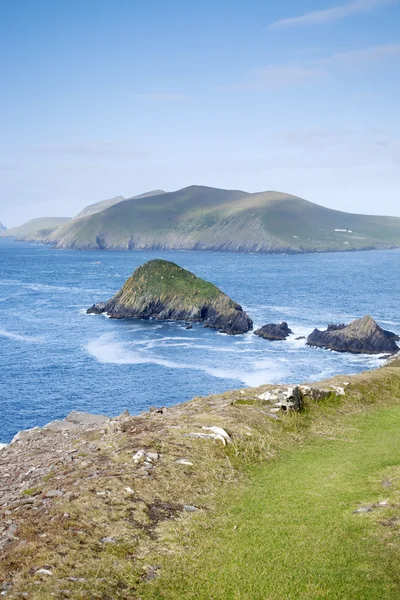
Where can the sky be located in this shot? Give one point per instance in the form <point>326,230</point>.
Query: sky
<point>100,98</point>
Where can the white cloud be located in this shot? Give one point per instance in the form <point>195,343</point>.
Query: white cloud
<point>280,75</point>
<point>333,14</point>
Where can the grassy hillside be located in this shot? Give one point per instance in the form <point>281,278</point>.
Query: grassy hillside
<point>99,206</point>
<point>202,218</point>
<point>162,279</point>
<point>103,204</point>
<point>36,230</point>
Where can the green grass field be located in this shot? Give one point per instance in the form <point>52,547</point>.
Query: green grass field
<point>292,533</point>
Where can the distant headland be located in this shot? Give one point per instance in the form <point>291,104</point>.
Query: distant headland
<point>212,219</point>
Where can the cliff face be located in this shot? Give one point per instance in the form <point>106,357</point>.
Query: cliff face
<point>162,290</point>
<point>362,336</point>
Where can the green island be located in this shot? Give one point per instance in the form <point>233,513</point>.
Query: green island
<point>225,497</point>
<point>163,290</point>
<point>207,218</point>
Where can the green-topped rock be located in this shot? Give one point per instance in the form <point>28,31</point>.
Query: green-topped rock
<point>162,290</point>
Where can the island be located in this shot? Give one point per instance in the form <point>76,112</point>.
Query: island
<point>362,336</point>
<point>162,290</point>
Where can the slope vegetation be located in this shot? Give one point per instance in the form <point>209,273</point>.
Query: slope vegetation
<point>162,290</point>
<point>203,218</point>
<point>35,230</point>
<point>295,506</point>
<point>104,204</point>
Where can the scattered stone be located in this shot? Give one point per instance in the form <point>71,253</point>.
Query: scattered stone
<point>190,508</point>
<point>273,331</point>
<point>364,509</point>
<point>290,398</point>
<point>54,494</point>
<point>217,434</point>
<point>152,456</point>
<point>129,490</point>
<point>138,456</point>
<point>108,540</point>
<point>363,336</point>
<point>221,433</point>
<point>183,461</point>
<point>44,572</point>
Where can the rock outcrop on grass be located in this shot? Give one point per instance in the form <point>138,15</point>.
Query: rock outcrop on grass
<point>273,331</point>
<point>162,290</point>
<point>363,336</point>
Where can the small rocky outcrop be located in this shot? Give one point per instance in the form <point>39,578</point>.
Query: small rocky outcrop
<point>162,290</point>
<point>363,336</point>
<point>273,331</point>
<point>2,227</point>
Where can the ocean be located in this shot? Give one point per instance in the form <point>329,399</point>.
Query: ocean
<point>55,358</point>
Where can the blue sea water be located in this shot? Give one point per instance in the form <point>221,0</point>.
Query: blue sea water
<point>55,358</point>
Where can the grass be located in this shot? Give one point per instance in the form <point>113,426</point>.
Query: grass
<point>276,518</point>
<point>163,279</point>
<point>292,532</point>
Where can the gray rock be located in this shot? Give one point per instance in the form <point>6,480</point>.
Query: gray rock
<point>190,508</point>
<point>84,418</point>
<point>54,494</point>
<point>363,336</point>
<point>290,398</point>
<point>273,331</point>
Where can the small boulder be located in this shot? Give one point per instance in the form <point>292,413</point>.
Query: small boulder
<point>273,331</point>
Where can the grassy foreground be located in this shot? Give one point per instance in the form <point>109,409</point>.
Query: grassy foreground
<point>292,532</point>
<point>272,516</point>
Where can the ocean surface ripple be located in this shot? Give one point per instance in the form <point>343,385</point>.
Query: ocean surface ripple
<point>55,358</point>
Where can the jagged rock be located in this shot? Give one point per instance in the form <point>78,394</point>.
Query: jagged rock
<point>162,290</point>
<point>273,331</point>
<point>290,398</point>
<point>363,336</point>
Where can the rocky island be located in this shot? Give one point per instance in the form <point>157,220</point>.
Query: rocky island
<point>363,336</point>
<point>162,290</point>
<point>273,331</point>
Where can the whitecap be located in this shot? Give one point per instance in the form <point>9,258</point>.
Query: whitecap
<point>106,350</point>
<point>19,337</point>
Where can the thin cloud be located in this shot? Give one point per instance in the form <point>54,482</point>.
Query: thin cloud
<point>281,75</point>
<point>333,14</point>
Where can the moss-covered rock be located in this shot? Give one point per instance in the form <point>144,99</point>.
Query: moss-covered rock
<point>162,290</point>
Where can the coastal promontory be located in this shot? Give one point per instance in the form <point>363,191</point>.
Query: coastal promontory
<point>162,290</point>
<point>363,336</point>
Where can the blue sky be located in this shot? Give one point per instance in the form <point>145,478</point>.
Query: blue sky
<point>101,98</point>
